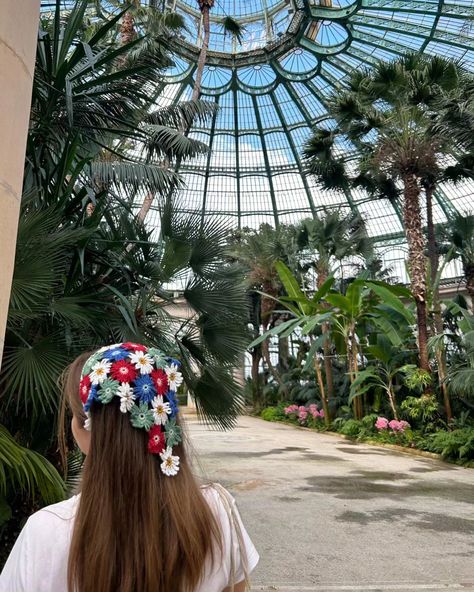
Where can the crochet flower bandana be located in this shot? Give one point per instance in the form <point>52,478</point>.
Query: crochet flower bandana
<point>145,381</point>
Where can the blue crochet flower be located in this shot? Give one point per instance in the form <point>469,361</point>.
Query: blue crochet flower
<point>115,354</point>
<point>173,403</point>
<point>92,397</point>
<point>144,388</point>
<point>173,361</point>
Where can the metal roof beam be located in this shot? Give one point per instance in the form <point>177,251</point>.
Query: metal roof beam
<point>294,151</point>
<point>208,162</point>
<point>265,158</point>
<point>451,10</point>
<point>237,153</point>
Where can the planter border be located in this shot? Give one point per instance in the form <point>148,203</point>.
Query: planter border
<point>374,443</point>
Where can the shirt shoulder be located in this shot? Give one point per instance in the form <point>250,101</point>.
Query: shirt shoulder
<point>38,560</point>
<point>65,511</point>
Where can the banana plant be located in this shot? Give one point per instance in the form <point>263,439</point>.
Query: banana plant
<point>372,304</point>
<point>387,361</point>
<point>308,313</point>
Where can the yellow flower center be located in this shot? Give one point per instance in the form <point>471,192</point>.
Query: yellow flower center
<point>142,361</point>
<point>99,371</point>
<point>169,462</point>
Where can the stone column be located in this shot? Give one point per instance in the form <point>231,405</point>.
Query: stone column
<point>18,34</point>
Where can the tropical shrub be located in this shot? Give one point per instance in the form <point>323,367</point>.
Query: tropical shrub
<point>455,445</point>
<point>273,414</point>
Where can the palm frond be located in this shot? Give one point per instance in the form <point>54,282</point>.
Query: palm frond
<point>183,114</point>
<point>164,141</point>
<point>234,28</point>
<point>134,175</point>
<point>27,471</point>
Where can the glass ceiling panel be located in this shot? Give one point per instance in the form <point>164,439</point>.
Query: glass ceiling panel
<point>273,88</point>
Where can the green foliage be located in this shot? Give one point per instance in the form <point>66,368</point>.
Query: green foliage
<point>421,409</point>
<point>351,427</point>
<point>87,270</point>
<point>416,378</point>
<point>455,445</point>
<point>273,413</point>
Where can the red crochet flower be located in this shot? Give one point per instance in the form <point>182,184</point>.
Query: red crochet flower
<point>160,380</point>
<point>84,388</point>
<point>123,371</point>
<point>134,346</point>
<point>156,440</point>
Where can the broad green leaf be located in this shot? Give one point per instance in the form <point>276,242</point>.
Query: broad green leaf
<point>354,297</point>
<point>388,329</point>
<point>390,299</point>
<point>324,289</point>
<point>340,301</point>
<point>314,322</point>
<point>292,287</point>
<point>315,345</point>
<point>360,391</point>
<point>277,330</point>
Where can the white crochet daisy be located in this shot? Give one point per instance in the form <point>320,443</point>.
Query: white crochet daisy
<point>161,410</point>
<point>142,361</point>
<point>100,370</point>
<point>87,423</point>
<point>175,378</point>
<point>170,464</point>
<point>127,398</point>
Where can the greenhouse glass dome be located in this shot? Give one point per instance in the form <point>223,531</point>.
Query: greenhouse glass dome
<point>272,88</point>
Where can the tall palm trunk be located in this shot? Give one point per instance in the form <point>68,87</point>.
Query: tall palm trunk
<point>324,399</point>
<point>205,6</point>
<point>127,35</point>
<point>416,262</point>
<point>432,244</point>
<point>352,354</point>
<point>469,275</point>
<point>437,316</point>
<point>256,390</point>
<point>267,308</point>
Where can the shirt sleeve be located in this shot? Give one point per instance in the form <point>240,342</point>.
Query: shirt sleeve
<point>14,575</point>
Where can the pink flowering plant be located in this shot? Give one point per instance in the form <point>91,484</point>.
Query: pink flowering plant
<point>395,430</point>
<point>395,425</point>
<point>306,415</point>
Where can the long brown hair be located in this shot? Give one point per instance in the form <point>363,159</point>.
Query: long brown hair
<point>135,529</point>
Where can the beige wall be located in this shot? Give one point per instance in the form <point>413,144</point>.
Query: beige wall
<point>18,32</point>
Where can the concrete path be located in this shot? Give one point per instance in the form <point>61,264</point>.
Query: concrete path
<point>327,515</point>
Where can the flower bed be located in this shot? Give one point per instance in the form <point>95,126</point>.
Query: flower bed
<point>456,445</point>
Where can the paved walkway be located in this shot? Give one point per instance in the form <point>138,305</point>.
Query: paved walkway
<point>327,515</point>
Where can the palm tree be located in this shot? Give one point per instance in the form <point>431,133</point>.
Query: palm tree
<point>229,25</point>
<point>88,275</point>
<point>460,233</point>
<point>258,251</point>
<point>388,116</point>
<point>205,7</point>
<point>328,240</point>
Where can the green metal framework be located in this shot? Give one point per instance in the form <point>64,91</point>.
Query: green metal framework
<point>273,88</point>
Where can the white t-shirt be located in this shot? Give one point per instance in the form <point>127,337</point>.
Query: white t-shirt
<point>38,561</point>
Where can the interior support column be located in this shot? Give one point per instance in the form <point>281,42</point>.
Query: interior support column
<point>18,34</point>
